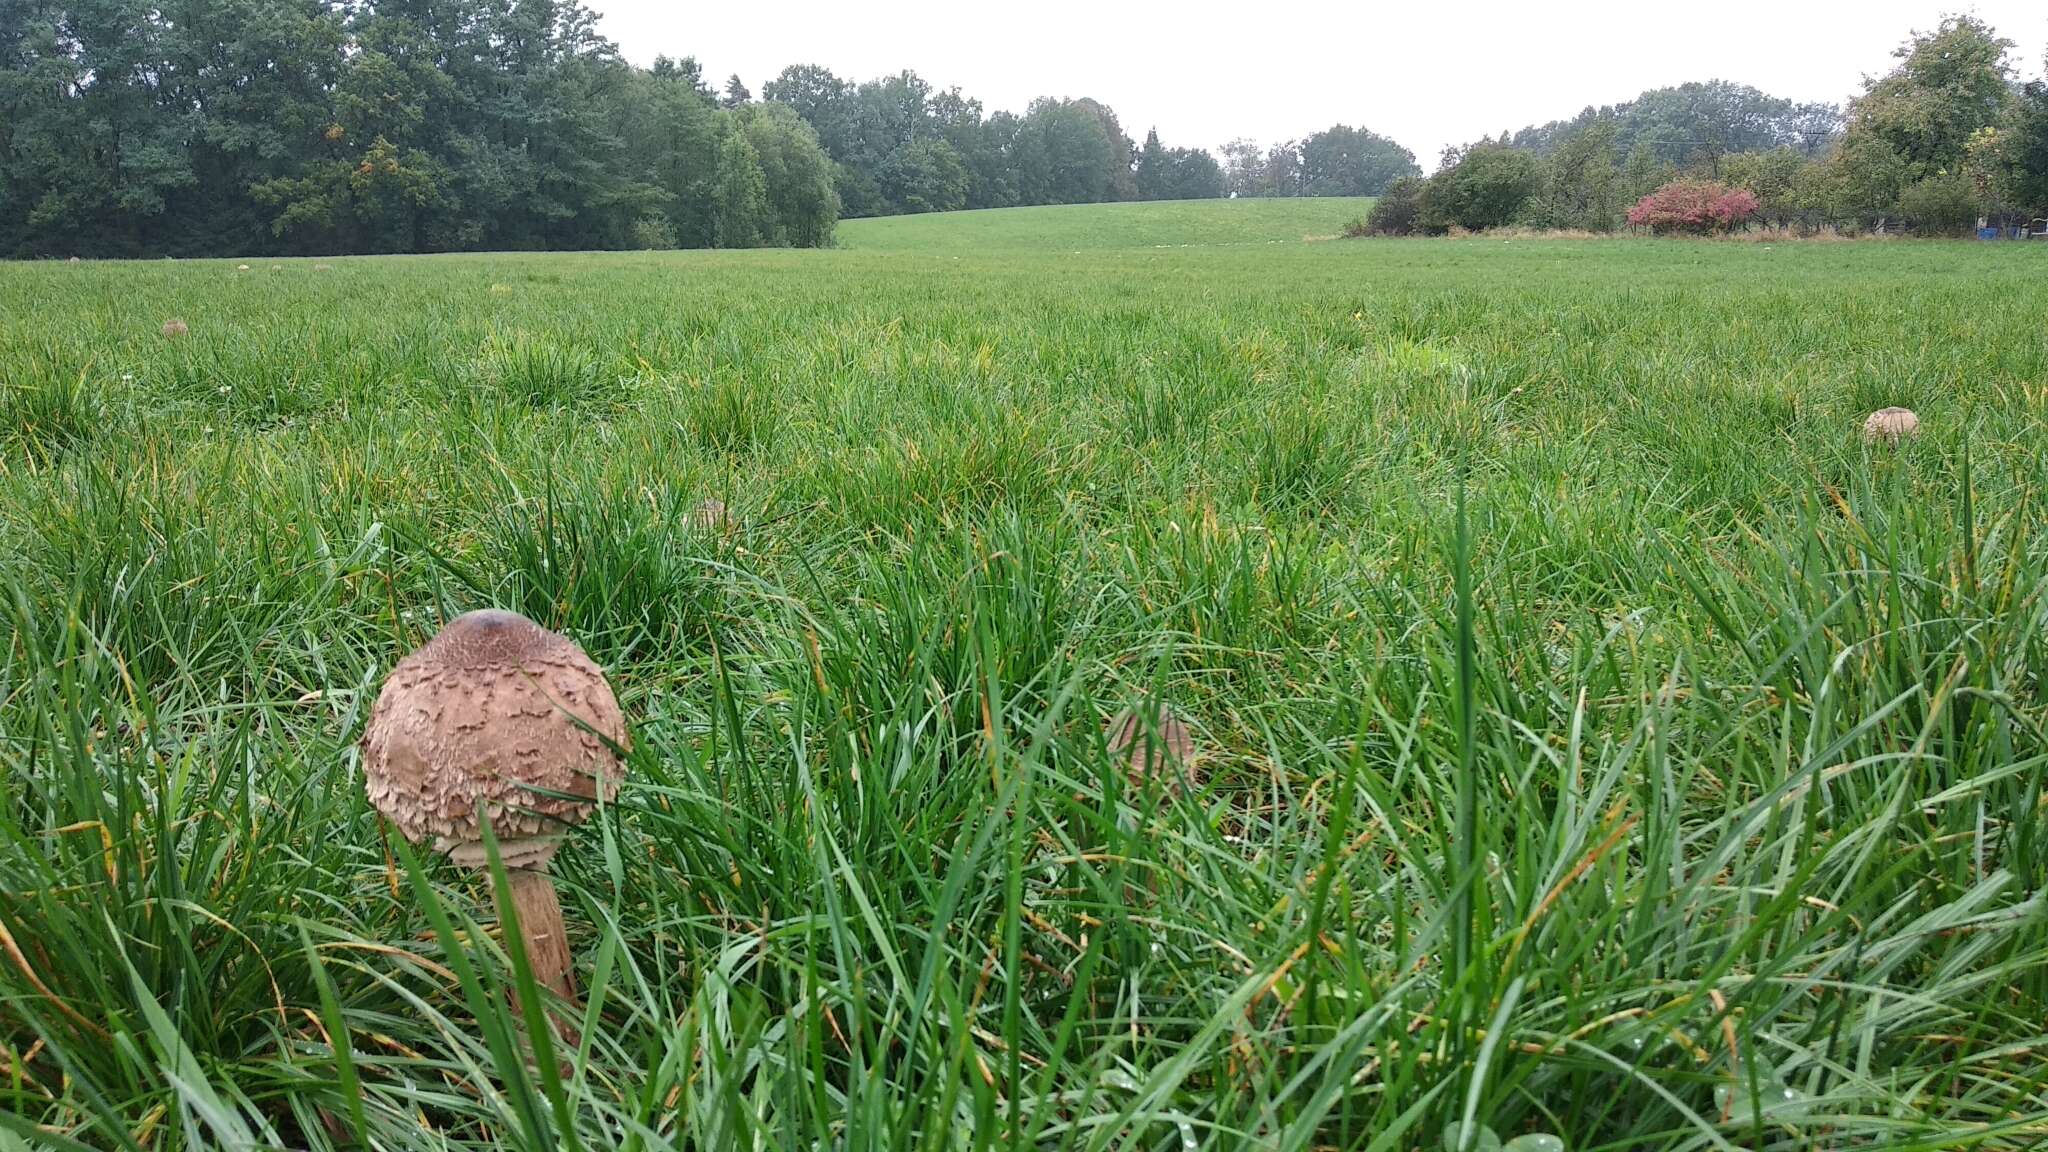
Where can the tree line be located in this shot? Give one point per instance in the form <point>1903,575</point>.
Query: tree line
<point>899,146</point>
<point>1338,161</point>
<point>1950,135</point>
<point>203,127</point>
<point>198,127</point>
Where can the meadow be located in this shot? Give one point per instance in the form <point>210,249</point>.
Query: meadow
<point>1595,736</point>
<point>1083,227</point>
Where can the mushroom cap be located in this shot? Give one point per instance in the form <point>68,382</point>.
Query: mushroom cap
<point>1890,424</point>
<point>711,512</point>
<point>498,711</point>
<point>1148,752</point>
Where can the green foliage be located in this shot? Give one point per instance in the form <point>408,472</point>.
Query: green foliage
<point>926,176</point>
<point>1346,161</point>
<point>1489,186</point>
<point>1773,176</point>
<point>1065,154</point>
<point>1123,155</point>
<point>268,126</point>
<point>1399,211</point>
<point>1583,186</point>
<point>898,146</point>
<point>45,411</point>
<point>673,129</point>
<point>1949,83</point>
<point>1338,161</point>
<point>1176,173</point>
<point>654,233</point>
<point>796,177</point>
<point>1860,183</point>
<point>1941,205</point>
<point>1735,721</point>
<point>1943,138</point>
<point>547,374</point>
<point>2024,154</point>
<point>740,214</point>
<point>1908,150</point>
<point>1692,124</point>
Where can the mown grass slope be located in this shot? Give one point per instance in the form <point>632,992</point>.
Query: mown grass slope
<point>1726,828</point>
<point>1160,224</point>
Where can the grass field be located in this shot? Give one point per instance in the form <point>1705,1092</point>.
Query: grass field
<point>1726,830</point>
<point>1084,227</point>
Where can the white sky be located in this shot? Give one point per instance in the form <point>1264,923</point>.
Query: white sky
<point>1428,74</point>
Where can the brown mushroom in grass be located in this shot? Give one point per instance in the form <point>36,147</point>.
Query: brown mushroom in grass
<point>499,716</point>
<point>1150,751</point>
<point>1891,425</point>
<point>711,515</point>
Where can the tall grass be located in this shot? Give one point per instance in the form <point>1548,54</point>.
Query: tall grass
<point>1595,736</point>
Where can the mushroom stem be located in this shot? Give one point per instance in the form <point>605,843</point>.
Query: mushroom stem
<point>545,937</point>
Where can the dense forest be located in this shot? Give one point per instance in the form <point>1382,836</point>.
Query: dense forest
<point>1948,136</point>
<point>192,127</point>
<point>203,127</point>
<point>196,127</point>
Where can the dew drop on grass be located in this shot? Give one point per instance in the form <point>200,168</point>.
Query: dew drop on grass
<point>1776,1100</point>
<point>1187,1136</point>
<point>1485,1139</point>
<point>1118,1078</point>
<point>1535,1142</point>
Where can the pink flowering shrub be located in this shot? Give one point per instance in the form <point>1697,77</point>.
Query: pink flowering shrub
<point>1695,206</point>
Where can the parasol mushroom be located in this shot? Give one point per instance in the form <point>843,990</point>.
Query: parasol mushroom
<point>1890,425</point>
<point>711,514</point>
<point>1150,751</point>
<point>498,715</point>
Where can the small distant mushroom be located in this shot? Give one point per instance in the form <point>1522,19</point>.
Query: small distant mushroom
<point>498,714</point>
<point>711,514</point>
<point>1891,425</point>
<point>174,329</point>
<point>1151,752</point>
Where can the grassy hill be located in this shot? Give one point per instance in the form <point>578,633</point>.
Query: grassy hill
<point>1157,224</point>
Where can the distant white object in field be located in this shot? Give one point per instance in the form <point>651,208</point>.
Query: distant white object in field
<point>1891,425</point>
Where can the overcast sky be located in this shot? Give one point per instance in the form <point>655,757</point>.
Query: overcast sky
<point>1427,74</point>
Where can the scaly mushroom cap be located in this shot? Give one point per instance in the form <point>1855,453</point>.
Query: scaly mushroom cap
<point>1891,424</point>
<point>1149,752</point>
<point>488,711</point>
